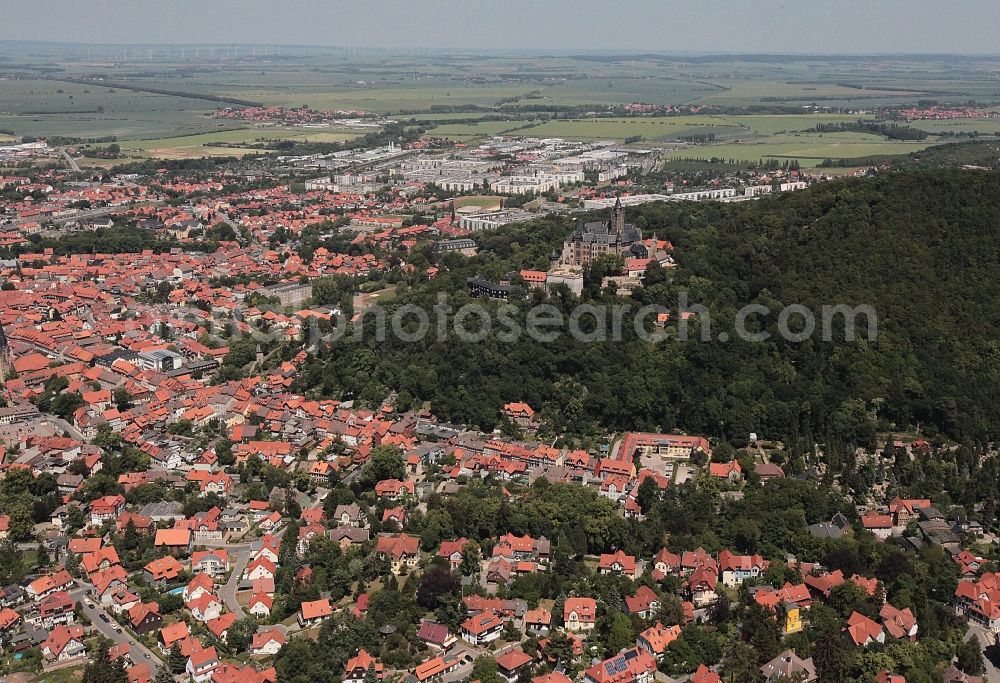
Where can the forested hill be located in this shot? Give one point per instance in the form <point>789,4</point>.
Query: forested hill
<point>922,247</point>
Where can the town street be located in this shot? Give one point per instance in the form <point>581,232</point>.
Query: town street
<point>111,629</point>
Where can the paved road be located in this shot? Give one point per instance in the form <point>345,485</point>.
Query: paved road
<point>241,556</point>
<point>71,161</point>
<point>139,652</point>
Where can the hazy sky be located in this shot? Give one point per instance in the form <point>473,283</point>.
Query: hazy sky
<point>814,26</point>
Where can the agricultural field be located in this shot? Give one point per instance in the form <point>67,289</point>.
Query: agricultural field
<point>649,128</point>
<point>466,131</point>
<point>430,88</point>
<point>214,144</point>
<point>737,93</point>
<point>809,150</point>
<point>51,108</point>
<point>983,126</point>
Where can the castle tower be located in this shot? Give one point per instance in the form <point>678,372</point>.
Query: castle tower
<point>618,217</point>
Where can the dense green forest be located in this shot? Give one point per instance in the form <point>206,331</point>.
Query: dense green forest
<point>920,247</point>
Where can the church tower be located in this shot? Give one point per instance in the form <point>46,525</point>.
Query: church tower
<point>618,217</point>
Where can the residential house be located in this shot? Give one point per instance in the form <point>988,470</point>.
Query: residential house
<point>402,551</point>
<point>201,664</point>
<point>701,585</point>
<point>219,626</point>
<point>645,603</point>
<point>730,471</point>
<point>162,571</point>
<point>46,585</point>
<point>537,621</point>
<point>618,563</point>
<point>349,515</point>
<point>482,628</point>
<point>172,633</point>
<point>510,662</point>
<point>880,525</point>
<point>900,623</point>
<point>205,607</point>
<point>314,612</point>
<point>174,541</point>
<point>863,631</point>
<point>145,617</point>
<point>520,414</point>
<point>199,585</point>
<point>665,563</point>
<point>979,601</point>
<point>57,608</point>
<point>657,638</point>
<point>260,605</point>
<point>579,614</point>
<point>905,510</point>
<point>632,666</point>
<point>788,666</point>
<point>358,666</point>
<point>435,669</point>
<point>106,508</point>
<point>393,489</point>
<point>436,635</point>
<point>267,642</point>
<point>212,562</point>
<point>705,675</point>
<point>738,568</point>
<point>65,643</point>
<point>452,552</point>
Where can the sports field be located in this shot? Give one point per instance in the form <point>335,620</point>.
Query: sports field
<point>484,202</point>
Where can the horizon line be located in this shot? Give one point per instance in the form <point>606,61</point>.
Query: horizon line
<point>487,51</point>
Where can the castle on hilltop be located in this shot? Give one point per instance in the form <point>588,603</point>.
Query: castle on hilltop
<point>593,239</point>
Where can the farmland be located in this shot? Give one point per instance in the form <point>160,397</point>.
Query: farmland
<point>215,144</point>
<point>809,150</point>
<point>649,128</point>
<point>47,108</point>
<point>164,107</point>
